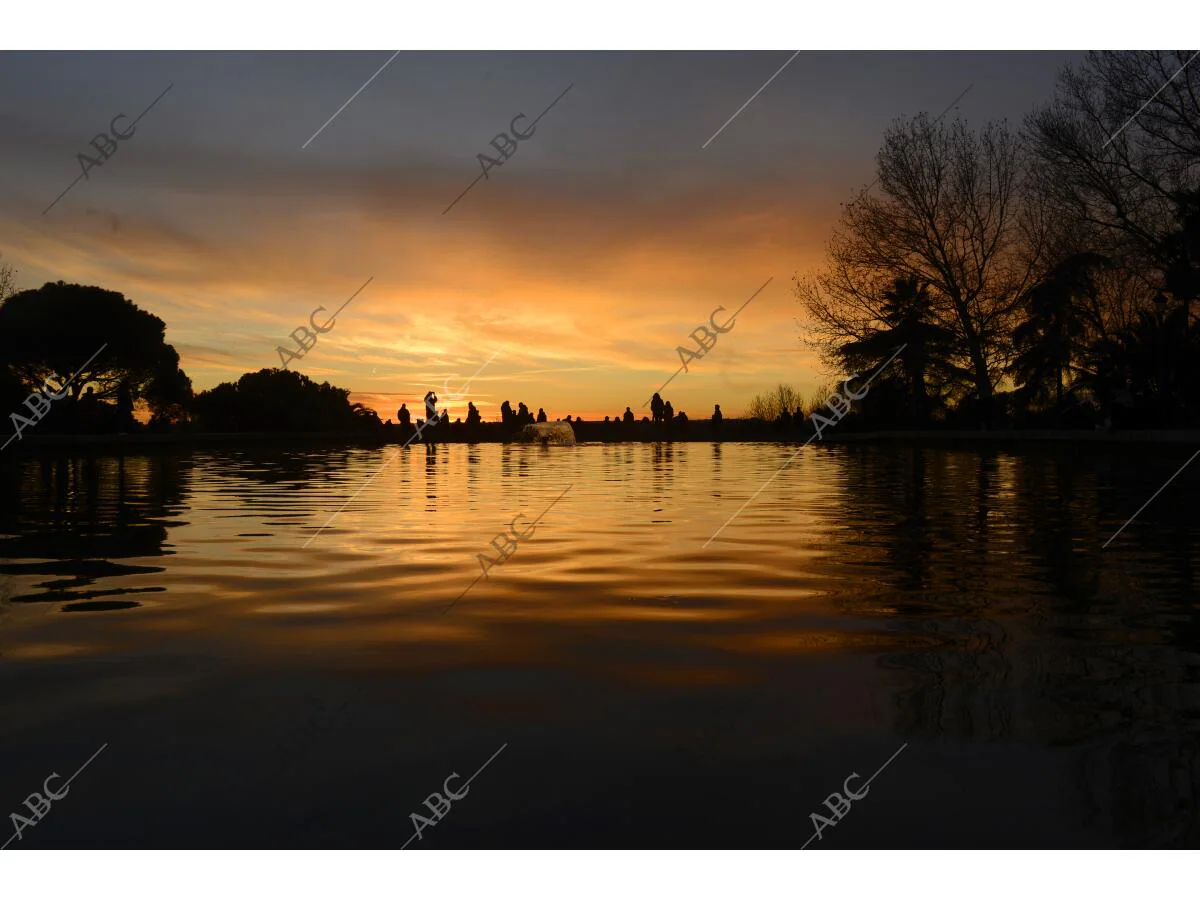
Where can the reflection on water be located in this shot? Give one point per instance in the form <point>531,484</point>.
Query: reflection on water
<point>957,600</point>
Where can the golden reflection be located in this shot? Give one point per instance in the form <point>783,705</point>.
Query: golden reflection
<point>816,641</point>
<point>301,608</point>
<point>968,585</point>
<point>47,651</point>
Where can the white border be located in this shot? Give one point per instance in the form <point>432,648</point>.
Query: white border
<point>597,875</point>
<point>615,24</point>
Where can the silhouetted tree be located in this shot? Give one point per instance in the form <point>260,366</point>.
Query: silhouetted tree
<point>1116,156</point>
<point>12,390</point>
<point>366,416</point>
<point>771,405</point>
<point>52,331</point>
<point>1138,368</point>
<point>907,323</point>
<point>1116,147</point>
<point>1053,332</point>
<point>280,400</point>
<point>948,214</point>
<point>8,281</point>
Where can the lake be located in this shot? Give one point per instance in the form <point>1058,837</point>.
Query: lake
<point>258,682</point>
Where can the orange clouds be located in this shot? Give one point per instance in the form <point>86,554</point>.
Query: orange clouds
<point>593,281</point>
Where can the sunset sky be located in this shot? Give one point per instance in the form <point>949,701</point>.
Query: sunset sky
<point>581,263</point>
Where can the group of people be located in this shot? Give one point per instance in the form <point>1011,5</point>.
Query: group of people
<point>663,416</point>
<point>520,418</point>
<point>511,420</point>
<point>662,412</point>
<point>433,418</point>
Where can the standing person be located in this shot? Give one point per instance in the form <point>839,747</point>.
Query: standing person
<point>656,408</point>
<point>668,413</point>
<point>432,418</point>
<point>404,418</point>
<point>506,415</point>
<point>627,418</point>
<point>89,411</point>
<point>541,415</point>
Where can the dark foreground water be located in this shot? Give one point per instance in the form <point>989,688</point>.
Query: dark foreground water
<point>648,691</point>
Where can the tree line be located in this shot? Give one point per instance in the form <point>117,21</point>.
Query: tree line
<point>1036,276</point>
<point>49,332</point>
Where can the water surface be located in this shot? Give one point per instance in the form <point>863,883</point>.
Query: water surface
<point>263,682</point>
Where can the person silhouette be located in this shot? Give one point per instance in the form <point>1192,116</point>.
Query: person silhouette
<point>541,416</point>
<point>627,418</point>
<point>506,414</point>
<point>434,419</point>
<point>89,410</point>
<point>668,413</point>
<point>716,418</point>
<point>656,408</point>
<point>403,416</point>
<point>523,415</point>
<point>473,417</point>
